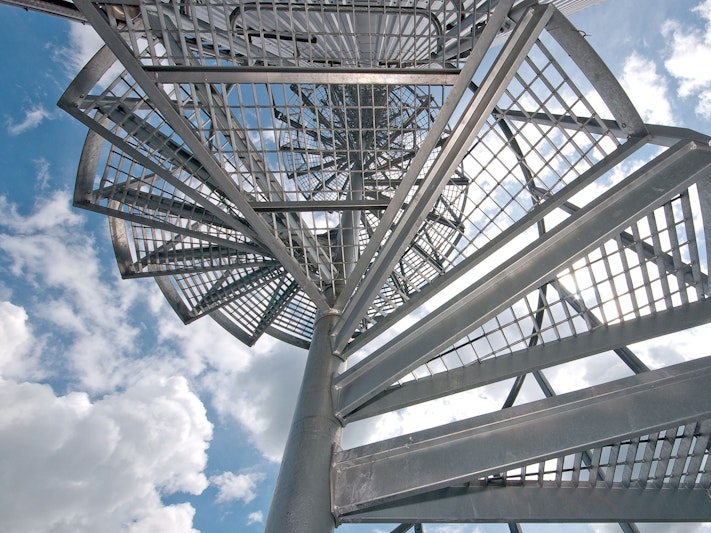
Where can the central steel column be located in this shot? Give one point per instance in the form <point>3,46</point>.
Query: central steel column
<point>302,497</point>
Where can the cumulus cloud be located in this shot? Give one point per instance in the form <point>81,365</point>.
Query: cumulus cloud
<point>262,395</point>
<point>76,466</point>
<point>256,517</point>
<point>674,348</point>
<point>84,42</point>
<point>647,89</point>
<point>690,52</point>
<point>103,348</point>
<point>594,370</point>
<point>15,340</point>
<point>49,248</point>
<point>256,387</point>
<point>33,118</point>
<point>234,487</point>
<point>77,463</point>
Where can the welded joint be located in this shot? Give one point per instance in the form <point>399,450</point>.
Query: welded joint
<point>322,315</point>
<point>331,312</point>
<point>332,477</point>
<point>517,13</point>
<point>336,399</point>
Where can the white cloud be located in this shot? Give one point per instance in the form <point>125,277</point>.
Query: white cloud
<point>15,340</point>
<point>33,118</point>
<point>454,528</point>
<point>605,528</point>
<point>101,352</point>
<point>77,466</point>
<point>256,517</point>
<point>690,53</point>
<point>703,108</point>
<point>647,89</point>
<point>427,415</point>
<point>257,386</point>
<point>146,434</point>
<point>50,250</point>
<point>233,487</point>
<point>203,345</point>
<point>84,42</point>
<point>674,348</point>
<point>261,397</point>
<point>576,375</point>
<point>43,174</point>
<point>54,211</point>
<point>178,518</point>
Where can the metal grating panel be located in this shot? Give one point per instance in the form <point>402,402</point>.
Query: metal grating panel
<point>300,152</point>
<point>332,170</point>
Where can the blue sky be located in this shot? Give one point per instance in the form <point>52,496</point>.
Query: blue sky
<point>116,416</point>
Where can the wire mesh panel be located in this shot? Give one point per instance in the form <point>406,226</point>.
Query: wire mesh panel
<point>317,162</point>
<point>299,34</point>
<point>652,266</point>
<point>670,458</point>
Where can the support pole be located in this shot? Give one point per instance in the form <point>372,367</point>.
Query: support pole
<point>302,497</point>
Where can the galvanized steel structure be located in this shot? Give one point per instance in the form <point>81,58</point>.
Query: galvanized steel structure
<point>434,196</point>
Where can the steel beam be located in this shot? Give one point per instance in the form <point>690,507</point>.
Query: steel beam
<point>58,8</point>
<point>489,444</point>
<point>166,256</point>
<point>704,190</point>
<point>88,198</point>
<point>221,293</point>
<point>519,43</point>
<point>627,356</point>
<point>537,357</point>
<point>666,260</point>
<point>534,503</point>
<point>645,189</point>
<point>403,528</point>
<point>141,267</point>
<point>660,135</point>
<point>287,75</point>
<point>277,303</point>
<point>175,229</point>
<point>319,205</point>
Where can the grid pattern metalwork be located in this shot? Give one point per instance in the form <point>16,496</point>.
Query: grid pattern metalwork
<point>671,458</point>
<point>300,152</point>
<point>272,162</point>
<point>305,34</point>
<point>652,266</point>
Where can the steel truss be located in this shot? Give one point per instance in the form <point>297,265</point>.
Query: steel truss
<point>439,196</point>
